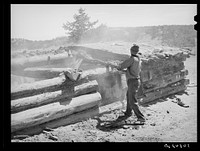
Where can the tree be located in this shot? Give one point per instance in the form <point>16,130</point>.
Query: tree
<point>77,28</point>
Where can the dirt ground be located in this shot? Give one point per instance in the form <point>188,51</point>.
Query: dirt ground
<point>166,121</point>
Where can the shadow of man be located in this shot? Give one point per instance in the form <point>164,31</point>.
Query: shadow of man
<point>111,125</point>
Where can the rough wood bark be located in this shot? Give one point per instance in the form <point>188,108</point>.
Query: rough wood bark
<point>50,97</point>
<point>53,111</point>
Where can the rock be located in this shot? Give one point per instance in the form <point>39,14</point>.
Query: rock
<point>180,103</point>
<point>20,136</point>
<point>153,124</point>
<point>53,137</point>
<point>48,129</point>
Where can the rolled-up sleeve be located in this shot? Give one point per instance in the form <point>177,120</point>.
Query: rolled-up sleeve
<point>126,64</point>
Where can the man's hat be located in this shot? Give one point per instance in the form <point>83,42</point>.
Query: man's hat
<point>135,48</point>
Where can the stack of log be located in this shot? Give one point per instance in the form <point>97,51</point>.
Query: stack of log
<point>65,99</point>
<point>162,75</point>
<point>50,100</point>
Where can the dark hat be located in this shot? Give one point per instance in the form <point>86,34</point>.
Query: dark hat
<point>135,48</point>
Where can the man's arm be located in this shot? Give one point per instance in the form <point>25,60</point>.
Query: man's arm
<point>125,64</point>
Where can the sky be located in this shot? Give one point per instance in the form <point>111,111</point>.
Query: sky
<point>45,21</point>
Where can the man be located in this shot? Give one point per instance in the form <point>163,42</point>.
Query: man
<point>133,81</point>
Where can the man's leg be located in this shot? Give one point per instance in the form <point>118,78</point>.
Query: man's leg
<point>128,111</point>
<point>132,89</point>
<point>128,105</point>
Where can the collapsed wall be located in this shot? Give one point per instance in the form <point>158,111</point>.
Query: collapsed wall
<point>76,95</point>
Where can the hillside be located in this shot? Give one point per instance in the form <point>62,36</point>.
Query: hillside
<point>23,44</point>
<point>168,35</point>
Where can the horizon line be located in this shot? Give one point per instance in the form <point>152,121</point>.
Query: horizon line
<point>62,36</point>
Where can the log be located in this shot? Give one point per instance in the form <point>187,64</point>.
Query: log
<point>53,111</point>
<point>73,118</point>
<point>69,119</point>
<point>48,73</point>
<point>103,63</point>
<point>38,87</point>
<point>164,92</point>
<point>50,97</point>
<point>98,54</point>
<point>91,74</point>
<point>37,61</point>
<point>18,80</point>
<point>160,82</point>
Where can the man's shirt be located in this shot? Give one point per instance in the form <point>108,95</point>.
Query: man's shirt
<point>133,67</point>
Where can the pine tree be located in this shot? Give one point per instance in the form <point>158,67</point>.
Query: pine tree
<point>77,28</point>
